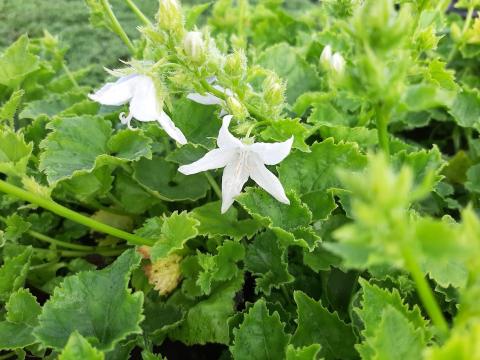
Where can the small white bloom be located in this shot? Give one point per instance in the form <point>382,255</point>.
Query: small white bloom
<point>242,161</point>
<point>330,60</point>
<point>139,91</point>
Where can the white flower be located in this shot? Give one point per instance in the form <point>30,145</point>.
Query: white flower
<point>330,60</point>
<point>208,98</point>
<point>242,161</point>
<point>139,91</point>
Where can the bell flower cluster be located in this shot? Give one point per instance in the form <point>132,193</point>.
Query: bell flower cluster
<point>242,160</point>
<point>332,61</point>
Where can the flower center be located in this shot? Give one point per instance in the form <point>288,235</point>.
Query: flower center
<point>125,120</point>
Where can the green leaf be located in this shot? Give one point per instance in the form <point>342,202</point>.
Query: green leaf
<point>9,109</point>
<point>282,130</point>
<point>207,320</point>
<point>14,153</point>
<point>466,108</point>
<point>194,12</point>
<point>219,267</point>
<point>15,336</point>
<point>290,66</point>
<point>51,105</point>
<point>176,230</point>
<point>16,227</point>
<point>130,145</point>
<point>266,259</point>
<point>162,178</point>
<point>132,197</point>
<point>420,97</point>
<point>316,171</point>
<point>316,325</point>
<point>86,186</point>
<point>304,353</point>
<point>440,75</point>
<point>17,62</point>
<point>260,336</point>
<point>213,223</point>
<point>97,304</point>
<point>13,273</point>
<point>199,123</point>
<point>395,338</point>
<point>73,146</point>
<point>23,308</point>
<point>160,318</point>
<point>473,179</point>
<point>79,348</point>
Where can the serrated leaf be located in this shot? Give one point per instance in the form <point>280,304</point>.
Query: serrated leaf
<point>176,230</point>
<point>303,353</point>
<point>316,325</point>
<point>73,146</point>
<point>13,273</point>
<point>23,308</point>
<point>97,304</point>
<point>15,336</point>
<point>130,145</point>
<point>10,107</point>
<point>260,336</point>
<point>213,223</point>
<point>300,76</point>
<point>282,130</point>
<point>51,105</point>
<point>162,178</point>
<point>466,108</point>
<point>14,153</point>
<point>207,320</point>
<point>16,227</point>
<point>267,259</point>
<point>78,347</point>
<point>316,171</point>
<point>160,318</point>
<point>221,266</point>
<point>17,62</point>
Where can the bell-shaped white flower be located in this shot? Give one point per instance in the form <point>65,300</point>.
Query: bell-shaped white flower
<point>139,91</point>
<point>241,161</point>
<point>333,61</point>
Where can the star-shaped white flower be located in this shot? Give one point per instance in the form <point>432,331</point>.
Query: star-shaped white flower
<point>242,161</point>
<point>139,91</point>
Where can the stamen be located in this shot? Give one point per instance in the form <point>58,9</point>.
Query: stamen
<point>125,120</point>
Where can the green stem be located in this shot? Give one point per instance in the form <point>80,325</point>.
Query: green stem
<point>138,12</point>
<point>214,184</point>
<point>76,253</point>
<point>466,25</point>
<point>116,27</point>
<point>382,129</point>
<point>72,215</point>
<point>220,94</point>
<point>424,291</point>
<point>70,75</point>
<point>61,243</point>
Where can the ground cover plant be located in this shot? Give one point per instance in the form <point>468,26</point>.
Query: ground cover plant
<point>249,180</point>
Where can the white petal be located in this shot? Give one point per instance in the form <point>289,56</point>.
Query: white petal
<point>326,55</point>
<point>265,179</point>
<point>225,139</point>
<point>214,159</point>
<point>117,93</point>
<point>272,153</point>
<point>234,177</point>
<point>227,92</point>
<point>167,124</point>
<point>144,104</point>
<point>207,99</point>
<point>338,62</point>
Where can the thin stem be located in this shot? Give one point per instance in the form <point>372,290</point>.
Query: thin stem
<point>56,242</point>
<point>220,94</point>
<point>214,184</point>
<point>382,129</point>
<point>466,25</point>
<point>424,291</point>
<point>72,215</point>
<point>116,27</point>
<point>70,75</point>
<point>77,253</point>
<point>138,12</point>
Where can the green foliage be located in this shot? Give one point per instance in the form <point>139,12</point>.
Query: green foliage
<point>79,348</point>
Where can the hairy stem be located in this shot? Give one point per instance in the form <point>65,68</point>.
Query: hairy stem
<point>72,215</point>
<point>424,291</point>
<point>116,27</point>
<point>138,12</point>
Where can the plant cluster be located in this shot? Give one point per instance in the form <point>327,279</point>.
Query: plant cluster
<point>285,180</point>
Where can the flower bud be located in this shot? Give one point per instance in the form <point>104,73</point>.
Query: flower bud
<point>164,274</point>
<point>236,108</point>
<point>170,15</point>
<point>236,64</point>
<point>332,61</point>
<point>338,63</point>
<point>273,91</point>
<point>326,56</point>
<point>194,46</point>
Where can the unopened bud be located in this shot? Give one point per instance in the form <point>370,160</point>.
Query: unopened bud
<point>273,91</point>
<point>338,63</point>
<point>236,64</point>
<point>236,108</point>
<point>332,61</point>
<point>170,15</point>
<point>194,46</point>
<point>164,274</point>
<point>326,56</point>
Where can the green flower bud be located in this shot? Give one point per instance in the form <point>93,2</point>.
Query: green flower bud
<point>273,91</point>
<point>170,16</point>
<point>236,64</point>
<point>194,46</point>
<point>236,108</point>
